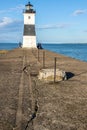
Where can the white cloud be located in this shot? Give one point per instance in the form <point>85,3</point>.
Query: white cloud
<point>85,31</point>
<point>5,21</point>
<point>17,9</point>
<point>10,29</point>
<point>78,12</point>
<point>53,26</point>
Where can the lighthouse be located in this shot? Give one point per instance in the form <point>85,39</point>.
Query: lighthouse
<point>29,34</point>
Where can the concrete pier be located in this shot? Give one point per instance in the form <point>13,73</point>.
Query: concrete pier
<point>29,103</point>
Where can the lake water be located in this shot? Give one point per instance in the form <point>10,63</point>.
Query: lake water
<point>78,51</point>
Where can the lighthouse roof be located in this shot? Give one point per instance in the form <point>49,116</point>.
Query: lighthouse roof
<point>29,8</point>
<point>29,4</point>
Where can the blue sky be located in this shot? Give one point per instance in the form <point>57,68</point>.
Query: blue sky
<point>57,21</point>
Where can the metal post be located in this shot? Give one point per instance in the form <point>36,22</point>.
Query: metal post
<point>55,59</point>
<point>43,59</point>
<point>38,54</point>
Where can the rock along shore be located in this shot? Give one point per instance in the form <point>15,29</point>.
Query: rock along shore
<point>27,103</point>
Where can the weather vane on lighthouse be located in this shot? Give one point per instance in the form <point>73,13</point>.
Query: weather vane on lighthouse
<point>29,34</point>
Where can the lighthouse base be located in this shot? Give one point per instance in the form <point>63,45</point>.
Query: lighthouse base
<point>29,42</point>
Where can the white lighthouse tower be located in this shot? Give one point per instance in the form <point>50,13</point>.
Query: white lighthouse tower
<point>29,35</point>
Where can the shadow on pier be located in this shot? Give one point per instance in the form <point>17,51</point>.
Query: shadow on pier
<point>70,75</point>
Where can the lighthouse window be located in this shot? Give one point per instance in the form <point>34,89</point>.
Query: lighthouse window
<point>29,17</point>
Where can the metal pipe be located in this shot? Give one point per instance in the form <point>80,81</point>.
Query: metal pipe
<point>55,59</point>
